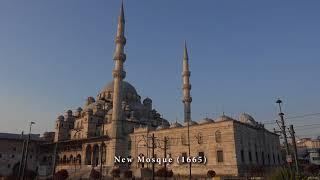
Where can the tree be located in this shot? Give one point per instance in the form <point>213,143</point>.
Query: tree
<point>61,175</point>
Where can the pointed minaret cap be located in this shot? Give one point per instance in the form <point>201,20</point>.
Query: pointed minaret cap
<point>121,16</point>
<point>185,54</point>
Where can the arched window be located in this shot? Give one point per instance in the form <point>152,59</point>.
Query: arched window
<point>64,160</point>
<point>71,159</point>
<point>199,138</point>
<point>218,136</point>
<point>88,155</point>
<point>103,153</point>
<point>78,160</point>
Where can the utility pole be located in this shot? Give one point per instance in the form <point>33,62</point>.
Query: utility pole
<point>101,150</point>
<point>27,151</point>
<point>283,130</point>
<point>165,156</point>
<point>153,146</point>
<point>293,137</point>
<point>55,152</point>
<point>189,148</point>
<point>22,155</point>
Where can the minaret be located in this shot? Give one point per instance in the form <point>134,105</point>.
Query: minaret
<point>186,86</point>
<point>118,75</point>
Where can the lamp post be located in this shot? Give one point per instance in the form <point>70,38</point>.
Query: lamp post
<point>27,151</point>
<point>283,129</point>
<point>22,155</point>
<point>102,149</point>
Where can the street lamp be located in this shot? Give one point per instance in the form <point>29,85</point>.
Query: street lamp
<point>283,130</point>
<point>27,151</point>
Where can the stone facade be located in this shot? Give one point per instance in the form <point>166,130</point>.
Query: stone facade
<point>11,152</point>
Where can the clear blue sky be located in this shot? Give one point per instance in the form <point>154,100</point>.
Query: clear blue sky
<point>243,55</point>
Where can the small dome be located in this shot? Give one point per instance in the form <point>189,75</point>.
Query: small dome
<point>206,120</point>
<point>79,109</point>
<point>246,118</point>
<point>68,113</point>
<point>147,101</point>
<point>89,101</point>
<point>191,123</point>
<point>60,118</point>
<point>176,124</point>
<point>223,118</point>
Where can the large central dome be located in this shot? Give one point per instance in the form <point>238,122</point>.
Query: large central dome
<point>129,92</point>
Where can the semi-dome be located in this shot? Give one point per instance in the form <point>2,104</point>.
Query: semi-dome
<point>129,91</point>
<point>223,118</point>
<point>206,120</point>
<point>246,118</point>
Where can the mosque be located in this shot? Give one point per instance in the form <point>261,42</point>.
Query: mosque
<point>119,123</point>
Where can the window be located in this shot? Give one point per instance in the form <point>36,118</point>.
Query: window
<point>0,155</point>
<point>257,158</point>
<point>242,156</point>
<point>262,156</point>
<point>14,148</point>
<point>199,138</point>
<point>220,156</point>
<point>218,136</point>
<point>269,158</point>
<point>184,155</point>
<point>278,159</point>
<point>12,156</point>
<point>9,165</point>
<point>274,159</point>
<point>201,154</point>
<point>129,145</point>
<point>250,157</point>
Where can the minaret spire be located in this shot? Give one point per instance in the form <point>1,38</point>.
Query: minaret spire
<point>186,87</point>
<point>118,74</point>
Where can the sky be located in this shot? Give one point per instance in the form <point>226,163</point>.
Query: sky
<point>243,56</point>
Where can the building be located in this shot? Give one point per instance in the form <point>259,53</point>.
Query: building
<point>118,123</point>
<point>11,152</point>
<point>309,149</point>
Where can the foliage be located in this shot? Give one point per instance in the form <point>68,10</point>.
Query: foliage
<point>256,171</point>
<point>115,172</point>
<point>61,175</point>
<point>94,174</point>
<point>163,172</point>
<point>127,174</point>
<point>311,169</point>
<point>285,174</point>
<point>211,173</point>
